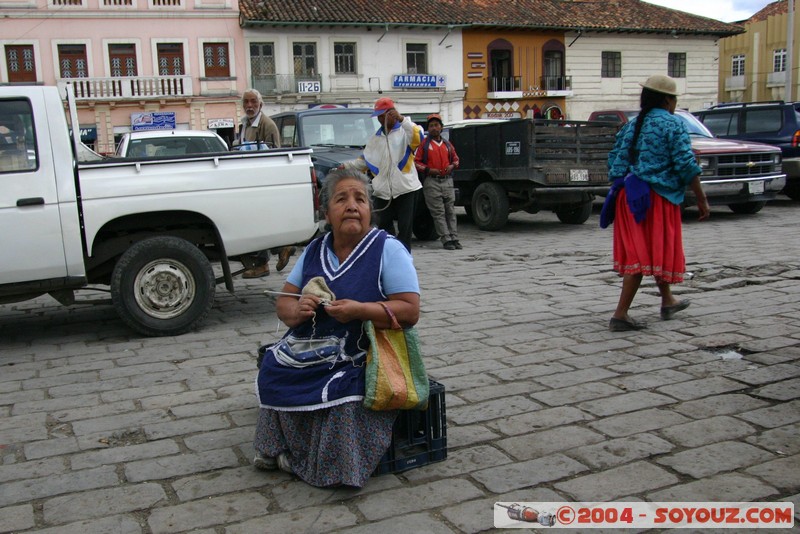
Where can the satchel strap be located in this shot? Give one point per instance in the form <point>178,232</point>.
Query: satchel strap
<point>392,316</point>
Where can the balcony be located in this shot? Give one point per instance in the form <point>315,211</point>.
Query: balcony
<point>735,83</point>
<point>557,85</point>
<point>133,87</point>
<point>505,87</point>
<point>776,79</point>
<point>281,84</point>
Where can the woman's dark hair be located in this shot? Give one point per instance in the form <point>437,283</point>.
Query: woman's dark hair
<point>649,100</point>
<point>336,176</point>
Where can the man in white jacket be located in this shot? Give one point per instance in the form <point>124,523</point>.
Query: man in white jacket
<point>389,156</point>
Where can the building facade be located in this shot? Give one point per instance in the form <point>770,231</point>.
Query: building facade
<point>754,64</point>
<point>513,73</point>
<point>606,69</point>
<point>298,67</point>
<point>130,61</point>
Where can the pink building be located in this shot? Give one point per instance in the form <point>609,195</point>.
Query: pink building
<point>127,59</point>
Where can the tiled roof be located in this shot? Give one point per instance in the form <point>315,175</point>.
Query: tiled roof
<point>599,15</point>
<point>780,7</point>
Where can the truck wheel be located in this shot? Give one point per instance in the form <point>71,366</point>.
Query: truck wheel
<point>575,213</point>
<point>747,208</point>
<point>162,286</point>
<point>792,189</point>
<point>423,228</point>
<point>490,206</point>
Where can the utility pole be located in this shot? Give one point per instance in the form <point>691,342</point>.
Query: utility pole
<point>789,54</point>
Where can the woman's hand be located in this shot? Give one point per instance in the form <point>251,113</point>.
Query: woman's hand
<point>700,195</point>
<point>307,306</point>
<point>345,310</point>
<point>702,207</point>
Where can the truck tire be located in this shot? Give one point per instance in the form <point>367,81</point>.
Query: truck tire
<point>792,189</point>
<point>575,213</point>
<point>163,286</point>
<point>747,208</point>
<point>490,206</point>
<point>423,227</point>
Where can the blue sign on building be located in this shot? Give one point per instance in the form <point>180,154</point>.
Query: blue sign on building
<point>153,120</point>
<point>418,81</point>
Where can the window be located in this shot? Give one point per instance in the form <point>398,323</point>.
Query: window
<point>779,60</point>
<point>344,58</point>
<point>737,65</point>
<point>416,58</point>
<point>17,137</point>
<point>170,59</point>
<point>262,67</point>
<point>722,123</point>
<point>21,64</point>
<point>122,59</point>
<point>262,59</point>
<point>553,79</point>
<point>305,59</point>
<point>611,65</point>
<point>676,64</point>
<point>763,120</point>
<point>215,59</point>
<point>72,61</point>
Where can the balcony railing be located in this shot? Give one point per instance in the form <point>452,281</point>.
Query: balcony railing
<point>556,83</point>
<point>275,84</point>
<point>504,84</point>
<point>138,87</point>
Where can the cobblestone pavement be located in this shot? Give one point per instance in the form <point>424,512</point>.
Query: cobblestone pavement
<point>103,431</point>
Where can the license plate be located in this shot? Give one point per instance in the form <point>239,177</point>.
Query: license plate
<point>579,175</point>
<point>755,188</point>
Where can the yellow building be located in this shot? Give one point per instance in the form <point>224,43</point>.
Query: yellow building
<point>754,65</point>
<point>508,73</point>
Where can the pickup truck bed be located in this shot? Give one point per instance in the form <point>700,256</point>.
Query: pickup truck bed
<point>530,165</point>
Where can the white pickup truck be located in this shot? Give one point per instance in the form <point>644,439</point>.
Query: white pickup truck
<point>147,228</point>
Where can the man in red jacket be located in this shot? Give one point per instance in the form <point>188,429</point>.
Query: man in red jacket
<point>435,160</point>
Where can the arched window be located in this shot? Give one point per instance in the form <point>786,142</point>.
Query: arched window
<point>553,78</point>
<point>501,66</point>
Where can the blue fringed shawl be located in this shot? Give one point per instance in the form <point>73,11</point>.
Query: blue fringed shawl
<point>637,194</point>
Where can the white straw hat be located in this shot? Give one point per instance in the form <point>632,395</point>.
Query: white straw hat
<point>661,84</point>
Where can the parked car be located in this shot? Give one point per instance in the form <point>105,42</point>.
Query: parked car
<point>167,143</point>
<point>774,123</point>
<point>742,175</point>
<point>335,134</point>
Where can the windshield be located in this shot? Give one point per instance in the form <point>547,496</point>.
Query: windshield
<point>339,129</point>
<point>693,124</point>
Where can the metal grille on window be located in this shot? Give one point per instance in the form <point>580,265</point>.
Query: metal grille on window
<point>27,58</point>
<point>13,63</point>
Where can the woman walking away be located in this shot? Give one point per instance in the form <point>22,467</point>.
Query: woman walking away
<point>651,165</point>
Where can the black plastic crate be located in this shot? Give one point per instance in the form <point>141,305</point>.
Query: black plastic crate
<point>419,437</point>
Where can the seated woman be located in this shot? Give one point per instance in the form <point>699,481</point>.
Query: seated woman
<point>312,421</point>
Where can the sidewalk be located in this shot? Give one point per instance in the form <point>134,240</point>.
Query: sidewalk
<point>103,431</point>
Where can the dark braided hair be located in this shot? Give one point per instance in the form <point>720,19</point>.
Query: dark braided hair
<point>649,100</point>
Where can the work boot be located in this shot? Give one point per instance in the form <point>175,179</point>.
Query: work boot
<point>283,257</point>
<point>450,245</point>
<point>257,272</point>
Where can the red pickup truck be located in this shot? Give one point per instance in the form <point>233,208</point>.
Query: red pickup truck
<point>742,175</point>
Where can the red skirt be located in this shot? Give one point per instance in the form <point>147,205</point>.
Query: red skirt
<point>652,247</point>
